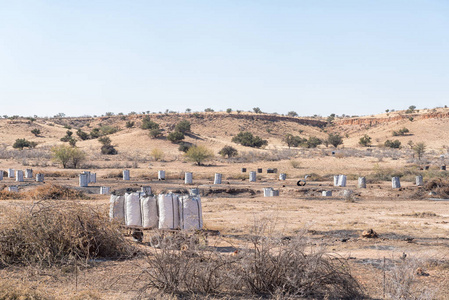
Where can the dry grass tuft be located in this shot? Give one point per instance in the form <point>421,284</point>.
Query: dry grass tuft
<point>10,289</point>
<point>57,233</point>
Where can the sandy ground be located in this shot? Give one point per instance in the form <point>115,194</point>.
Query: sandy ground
<point>417,227</point>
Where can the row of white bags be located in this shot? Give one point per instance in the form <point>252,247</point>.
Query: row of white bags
<point>165,211</point>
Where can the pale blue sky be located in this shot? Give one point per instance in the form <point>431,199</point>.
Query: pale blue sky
<point>354,57</point>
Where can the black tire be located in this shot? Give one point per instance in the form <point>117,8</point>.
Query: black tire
<point>301,183</point>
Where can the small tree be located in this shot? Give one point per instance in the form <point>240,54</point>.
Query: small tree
<point>36,132</point>
<point>420,149</point>
<point>183,126</point>
<point>365,140</point>
<point>411,109</point>
<point>199,154</point>
<point>257,110</point>
<point>157,154</point>
<point>175,137</point>
<point>292,114</point>
<point>228,151</point>
<point>335,139</point>
<point>68,156</point>
<point>229,110</point>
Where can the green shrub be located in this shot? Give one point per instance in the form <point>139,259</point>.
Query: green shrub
<point>36,131</point>
<point>401,132</point>
<point>175,137</point>
<point>313,142</point>
<point>293,141</point>
<point>183,126</point>
<point>107,148</point>
<point>82,135</point>
<point>23,143</point>
<point>365,140</point>
<point>184,146</point>
<point>246,138</point>
<point>228,151</point>
<point>392,144</point>
<point>155,133</point>
<point>148,124</point>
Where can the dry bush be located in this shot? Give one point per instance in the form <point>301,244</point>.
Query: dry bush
<point>59,174</point>
<point>7,195</point>
<point>56,233</point>
<point>55,192</point>
<point>45,192</point>
<point>295,164</point>
<point>402,281</point>
<point>267,266</point>
<point>439,186</point>
<point>117,174</point>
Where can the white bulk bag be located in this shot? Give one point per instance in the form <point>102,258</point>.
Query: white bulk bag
<point>133,216</point>
<point>168,211</point>
<point>342,180</point>
<point>148,209</point>
<point>190,212</point>
<point>117,208</point>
